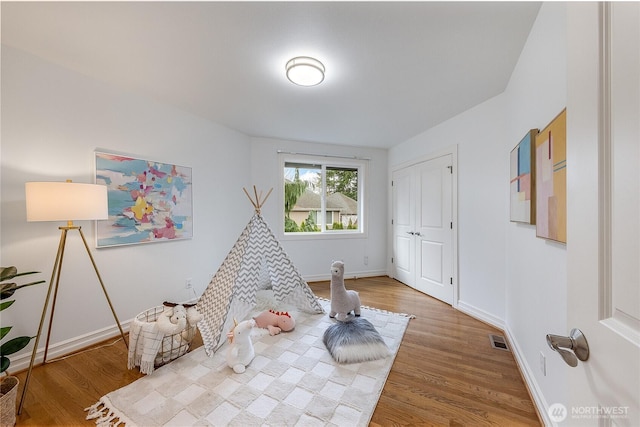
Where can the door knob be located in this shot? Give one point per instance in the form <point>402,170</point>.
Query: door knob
<point>411,232</point>
<point>571,348</point>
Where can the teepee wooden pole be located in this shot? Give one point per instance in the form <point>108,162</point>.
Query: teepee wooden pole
<point>257,198</point>
<point>250,199</point>
<point>267,196</point>
<point>258,202</point>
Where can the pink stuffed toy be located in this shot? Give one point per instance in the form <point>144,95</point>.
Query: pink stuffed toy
<point>275,321</point>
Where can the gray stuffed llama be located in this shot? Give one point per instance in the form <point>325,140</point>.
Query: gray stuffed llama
<point>342,301</point>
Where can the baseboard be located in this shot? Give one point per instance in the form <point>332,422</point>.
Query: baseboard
<point>529,379</point>
<point>347,275</point>
<point>525,370</point>
<point>481,315</point>
<point>21,362</point>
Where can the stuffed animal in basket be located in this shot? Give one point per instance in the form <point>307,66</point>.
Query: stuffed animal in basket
<point>343,301</point>
<point>173,319</point>
<point>179,318</point>
<point>193,317</point>
<point>240,352</point>
<point>275,321</point>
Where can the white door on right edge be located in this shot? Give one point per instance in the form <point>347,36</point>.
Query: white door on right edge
<point>603,226</point>
<point>423,228</point>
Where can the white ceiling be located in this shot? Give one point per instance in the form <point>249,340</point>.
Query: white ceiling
<point>394,69</point>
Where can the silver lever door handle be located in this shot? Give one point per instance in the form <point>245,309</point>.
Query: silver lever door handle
<point>411,232</point>
<point>571,348</point>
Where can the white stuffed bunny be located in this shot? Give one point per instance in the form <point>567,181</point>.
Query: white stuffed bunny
<point>240,352</point>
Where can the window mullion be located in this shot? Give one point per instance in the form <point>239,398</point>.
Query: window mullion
<point>323,200</point>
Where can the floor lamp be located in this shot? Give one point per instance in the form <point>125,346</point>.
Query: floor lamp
<point>64,201</point>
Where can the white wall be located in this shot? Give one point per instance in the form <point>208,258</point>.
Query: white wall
<point>536,297</point>
<point>505,271</point>
<point>313,257</point>
<point>481,231</point>
<point>52,121</point>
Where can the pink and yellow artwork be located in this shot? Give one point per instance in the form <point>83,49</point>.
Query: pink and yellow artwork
<point>522,180</point>
<point>148,201</point>
<point>551,180</point>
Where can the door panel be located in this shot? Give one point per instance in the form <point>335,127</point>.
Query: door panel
<point>432,258</point>
<point>422,227</point>
<point>436,234</point>
<point>431,209</point>
<point>403,254</point>
<point>403,217</point>
<point>603,150</point>
<point>403,189</point>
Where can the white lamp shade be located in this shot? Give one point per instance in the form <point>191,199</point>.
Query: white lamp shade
<point>305,71</point>
<point>65,201</point>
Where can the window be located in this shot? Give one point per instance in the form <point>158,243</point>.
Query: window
<point>322,196</point>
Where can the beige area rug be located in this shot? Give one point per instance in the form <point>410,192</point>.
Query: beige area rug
<point>293,381</point>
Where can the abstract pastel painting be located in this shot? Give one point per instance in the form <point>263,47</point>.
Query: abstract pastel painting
<point>551,180</point>
<point>522,180</point>
<point>149,201</point>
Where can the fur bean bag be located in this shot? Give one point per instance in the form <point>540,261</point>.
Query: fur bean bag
<point>354,341</point>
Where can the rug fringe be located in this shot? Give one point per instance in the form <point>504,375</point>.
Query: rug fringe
<point>105,415</point>
<point>410,316</point>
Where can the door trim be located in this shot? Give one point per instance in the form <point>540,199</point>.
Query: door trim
<point>453,152</point>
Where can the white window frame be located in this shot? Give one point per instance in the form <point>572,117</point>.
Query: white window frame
<point>325,161</point>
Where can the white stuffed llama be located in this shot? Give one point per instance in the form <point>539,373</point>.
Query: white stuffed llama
<point>342,301</point>
<point>240,352</point>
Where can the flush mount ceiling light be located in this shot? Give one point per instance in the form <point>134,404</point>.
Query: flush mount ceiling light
<point>305,71</point>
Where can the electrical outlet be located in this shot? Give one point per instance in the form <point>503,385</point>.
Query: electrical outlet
<point>543,364</point>
<point>187,283</point>
<point>366,260</point>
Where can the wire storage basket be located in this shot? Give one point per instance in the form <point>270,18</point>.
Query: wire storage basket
<point>172,346</point>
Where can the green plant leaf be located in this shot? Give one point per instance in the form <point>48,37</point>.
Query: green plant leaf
<point>14,345</point>
<point>4,331</point>
<point>7,273</point>
<point>4,363</point>
<point>7,289</point>
<point>6,304</point>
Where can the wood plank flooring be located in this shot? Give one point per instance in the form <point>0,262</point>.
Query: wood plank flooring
<point>445,373</point>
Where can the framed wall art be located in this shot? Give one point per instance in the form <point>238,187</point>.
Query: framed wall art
<point>522,180</point>
<point>551,180</point>
<point>149,201</point>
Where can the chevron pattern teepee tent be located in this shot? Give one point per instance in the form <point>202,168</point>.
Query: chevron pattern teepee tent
<point>232,290</point>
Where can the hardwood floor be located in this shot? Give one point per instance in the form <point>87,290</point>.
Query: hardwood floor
<point>445,373</point>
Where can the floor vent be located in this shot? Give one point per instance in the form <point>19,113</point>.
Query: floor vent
<point>498,342</point>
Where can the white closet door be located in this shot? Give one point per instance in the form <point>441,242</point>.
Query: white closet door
<point>422,227</point>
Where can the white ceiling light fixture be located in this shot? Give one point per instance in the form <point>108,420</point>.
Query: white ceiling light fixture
<point>305,71</point>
